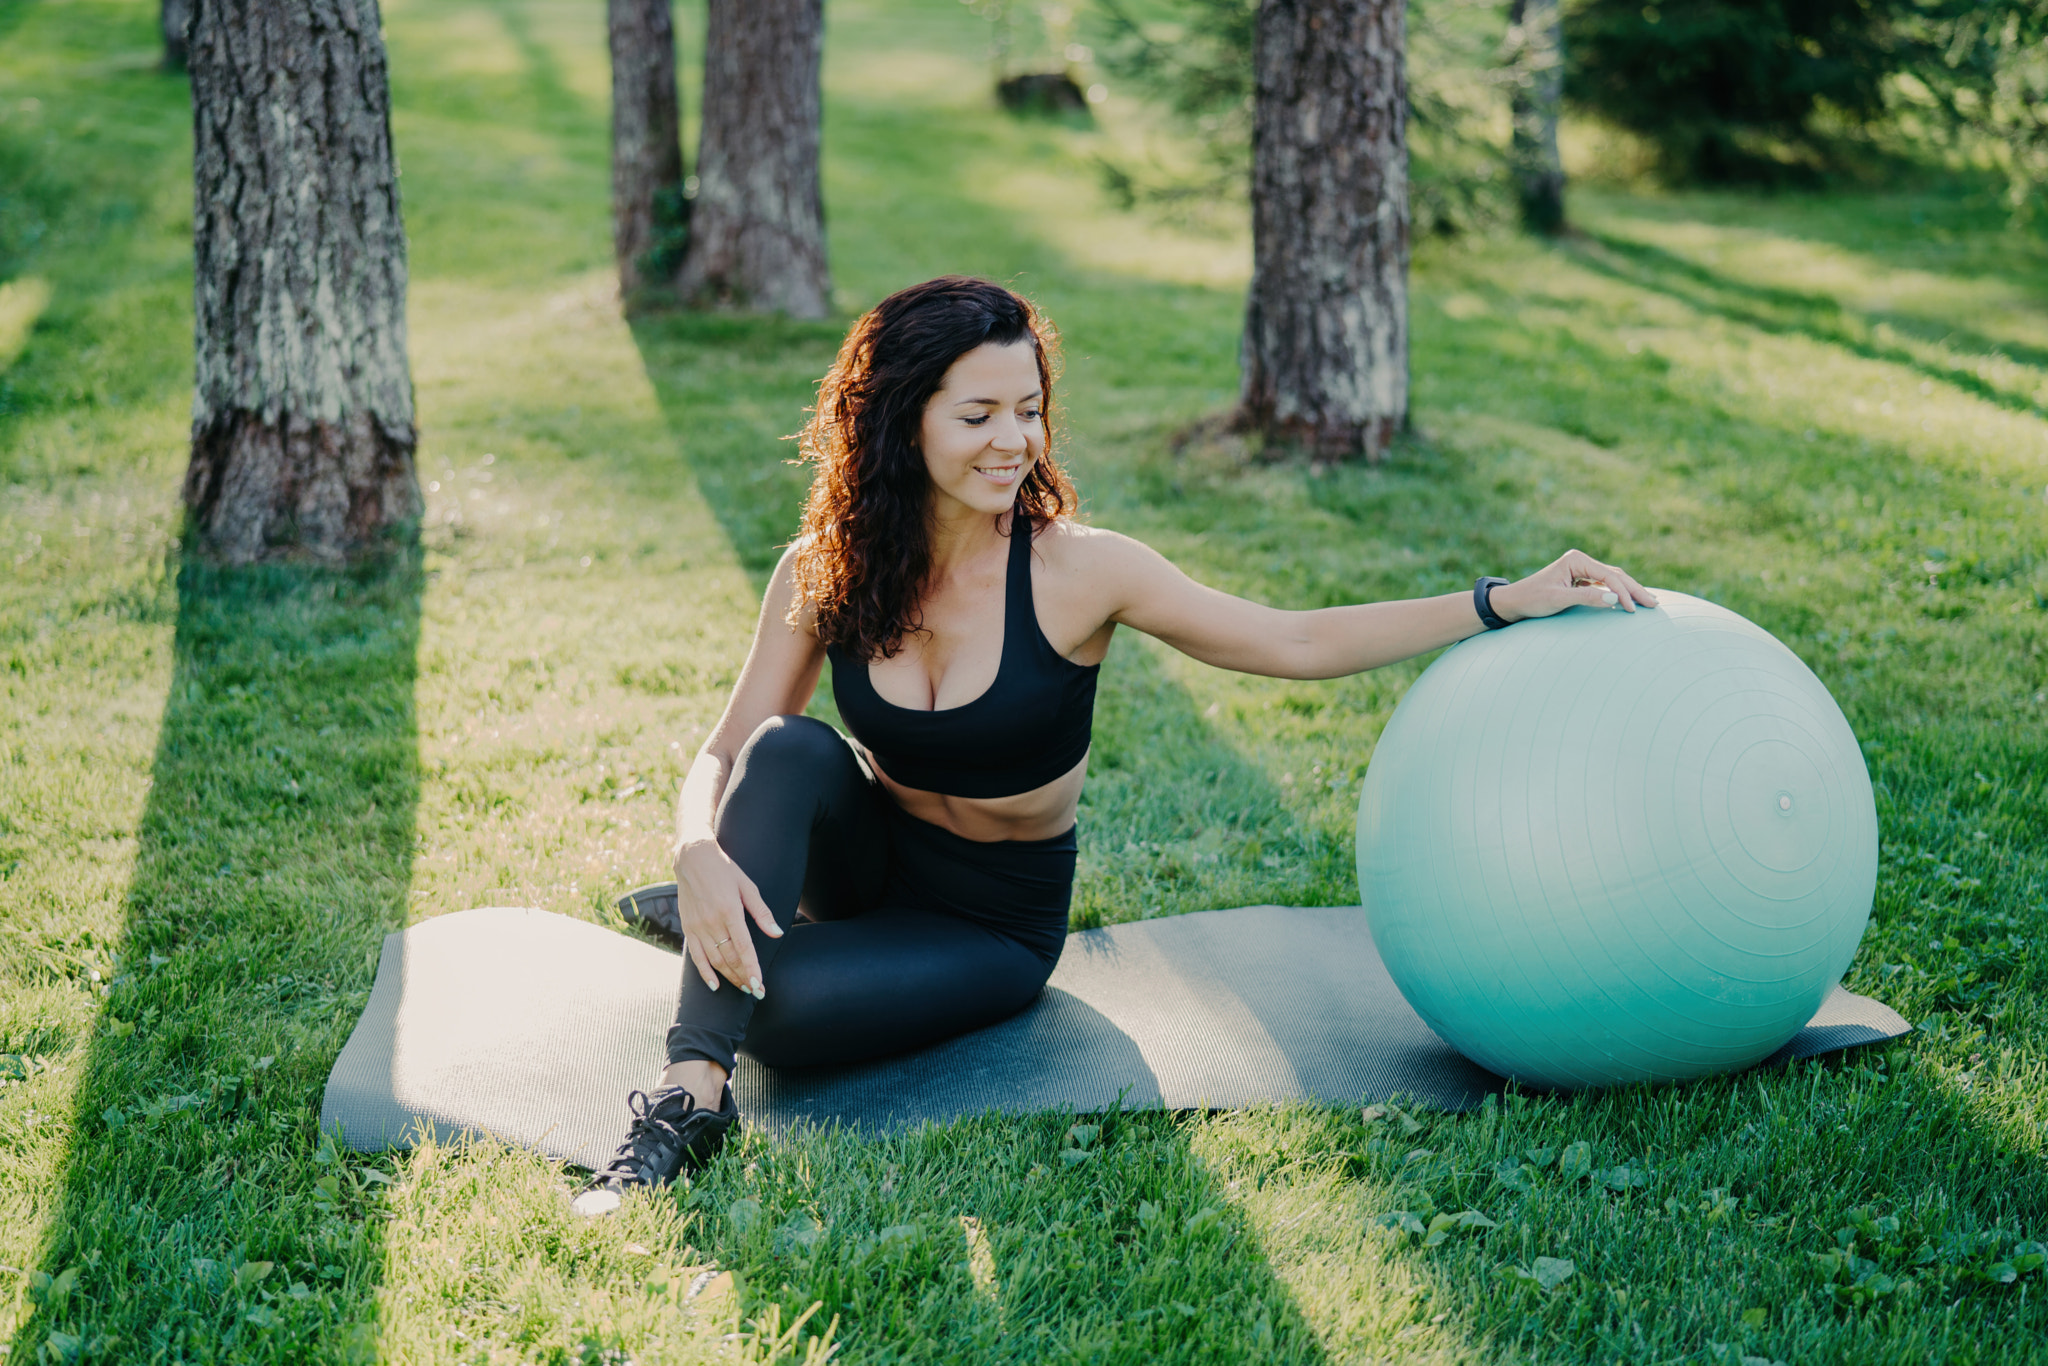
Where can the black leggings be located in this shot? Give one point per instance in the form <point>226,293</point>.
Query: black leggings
<point>898,933</point>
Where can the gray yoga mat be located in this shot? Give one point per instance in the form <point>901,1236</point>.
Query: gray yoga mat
<point>532,1027</point>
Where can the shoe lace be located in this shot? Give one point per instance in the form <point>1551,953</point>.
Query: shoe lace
<point>649,1135</point>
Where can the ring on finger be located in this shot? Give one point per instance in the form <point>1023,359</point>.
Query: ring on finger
<point>723,942</point>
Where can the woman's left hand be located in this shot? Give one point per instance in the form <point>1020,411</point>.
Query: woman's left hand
<point>1573,579</point>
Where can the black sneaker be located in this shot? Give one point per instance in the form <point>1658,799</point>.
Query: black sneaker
<point>670,1132</point>
<point>653,907</point>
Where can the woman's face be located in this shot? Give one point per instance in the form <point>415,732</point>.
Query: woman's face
<point>983,430</point>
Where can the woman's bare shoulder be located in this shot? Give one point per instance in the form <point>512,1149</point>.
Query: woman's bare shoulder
<point>783,598</point>
<point>1070,546</point>
<point>1103,559</point>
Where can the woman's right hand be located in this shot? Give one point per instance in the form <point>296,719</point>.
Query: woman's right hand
<point>1573,579</point>
<point>714,897</point>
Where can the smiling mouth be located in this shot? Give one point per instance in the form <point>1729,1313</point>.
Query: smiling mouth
<point>1002,474</point>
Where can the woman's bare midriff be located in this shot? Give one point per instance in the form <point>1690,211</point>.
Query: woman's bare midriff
<point>1038,814</point>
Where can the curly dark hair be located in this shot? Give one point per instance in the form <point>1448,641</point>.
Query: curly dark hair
<point>865,549</point>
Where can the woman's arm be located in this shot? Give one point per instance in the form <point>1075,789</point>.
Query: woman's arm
<point>713,895</point>
<point>1154,596</point>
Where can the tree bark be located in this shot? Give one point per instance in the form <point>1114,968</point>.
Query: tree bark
<point>647,149</point>
<point>302,416</point>
<point>757,225</point>
<point>1326,319</point>
<point>1536,59</point>
<point>175,18</point>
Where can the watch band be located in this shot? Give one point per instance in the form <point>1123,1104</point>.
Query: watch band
<point>1482,602</point>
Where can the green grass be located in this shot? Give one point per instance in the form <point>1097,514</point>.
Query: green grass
<point>217,790</point>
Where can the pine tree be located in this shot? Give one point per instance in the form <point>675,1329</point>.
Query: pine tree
<point>1536,61</point>
<point>302,415</point>
<point>1325,361</point>
<point>175,19</point>
<point>757,225</point>
<point>647,149</point>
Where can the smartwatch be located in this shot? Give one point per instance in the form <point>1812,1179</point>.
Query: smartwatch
<point>1482,602</point>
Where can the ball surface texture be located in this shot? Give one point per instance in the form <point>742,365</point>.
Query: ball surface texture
<point>1604,847</point>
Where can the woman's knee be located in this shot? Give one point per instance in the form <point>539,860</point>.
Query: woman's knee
<point>792,769</point>
<point>799,744</point>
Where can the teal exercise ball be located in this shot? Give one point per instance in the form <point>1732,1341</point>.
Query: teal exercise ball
<point>1609,847</point>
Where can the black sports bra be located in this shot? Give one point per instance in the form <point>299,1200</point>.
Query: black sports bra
<point>1032,725</point>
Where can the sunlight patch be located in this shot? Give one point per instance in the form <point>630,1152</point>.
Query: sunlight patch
<point>2000,308</point>
<point>1068,211</point>
<point>468,42</point>
<point>21,303</point>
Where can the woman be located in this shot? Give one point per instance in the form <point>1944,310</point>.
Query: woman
<point>846,899</point>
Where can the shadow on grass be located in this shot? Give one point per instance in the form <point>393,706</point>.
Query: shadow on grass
<point>1005,1239</point>
<point>732,389</point>
<point>1750,1174</point>
<point>202,1215</point>
<point>1817,317</point>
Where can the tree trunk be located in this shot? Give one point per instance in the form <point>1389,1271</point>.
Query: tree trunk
<point>302,417</point>
<point>647,149</point>
<point>757,225</point>
<point>1326,320</point>
<point>176,20</point>
<point>1536,58</point>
